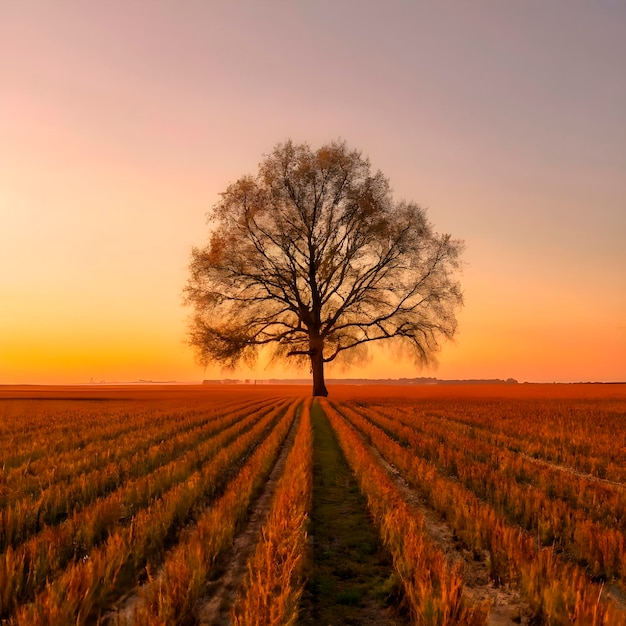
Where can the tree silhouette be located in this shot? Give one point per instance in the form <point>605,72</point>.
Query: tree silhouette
<point>313,257</point>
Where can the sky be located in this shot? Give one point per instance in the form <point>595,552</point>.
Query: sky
<point>122,121</point>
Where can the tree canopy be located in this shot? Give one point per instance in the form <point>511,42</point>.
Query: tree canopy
<point>313,257</point>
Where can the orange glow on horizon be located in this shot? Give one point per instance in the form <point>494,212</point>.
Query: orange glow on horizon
<point>121,125</point>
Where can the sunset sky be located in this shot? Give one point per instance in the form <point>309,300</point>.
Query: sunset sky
<point>121,121</point>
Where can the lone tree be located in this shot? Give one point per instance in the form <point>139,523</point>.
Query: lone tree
<point>313,257</point>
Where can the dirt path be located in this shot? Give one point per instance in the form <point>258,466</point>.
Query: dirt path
<point>509,607</point>
<point>350,574</point>
<point>222,591</point>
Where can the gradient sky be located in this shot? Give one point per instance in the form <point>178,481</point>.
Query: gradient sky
<point>122,121</point>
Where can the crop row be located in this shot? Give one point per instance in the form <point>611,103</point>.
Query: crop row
<point>28,515</point>
<point>432,587</point>
<point>171,596</point>
<point>274,584</point>
<point>600,547</point>
<point>36,430</point>
<point>584,434</point>
<point>55,546</point>
<point>559,593</point>
<point>104,548</point>
<point>85,448</point>
<point>602,500</point>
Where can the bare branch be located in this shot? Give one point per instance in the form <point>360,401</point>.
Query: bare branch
<point>314,258</point>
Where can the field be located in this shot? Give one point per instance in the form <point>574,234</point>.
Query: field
<point>245,504</point>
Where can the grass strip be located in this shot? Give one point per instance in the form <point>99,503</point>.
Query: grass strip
<point>350,575</point>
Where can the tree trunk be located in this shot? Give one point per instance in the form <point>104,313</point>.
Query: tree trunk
<point>317,366</point>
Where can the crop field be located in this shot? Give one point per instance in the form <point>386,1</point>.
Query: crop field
<point>245,504</point>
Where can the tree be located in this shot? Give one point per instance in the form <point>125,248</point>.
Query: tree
<point>313,258</point>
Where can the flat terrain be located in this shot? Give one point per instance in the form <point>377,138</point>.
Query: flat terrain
<point>440,504</point>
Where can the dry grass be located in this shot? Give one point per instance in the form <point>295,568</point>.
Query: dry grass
<point>275,573</point>
<point>105,489</point>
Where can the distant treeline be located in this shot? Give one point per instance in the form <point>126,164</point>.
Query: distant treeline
<point>362,381</point>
